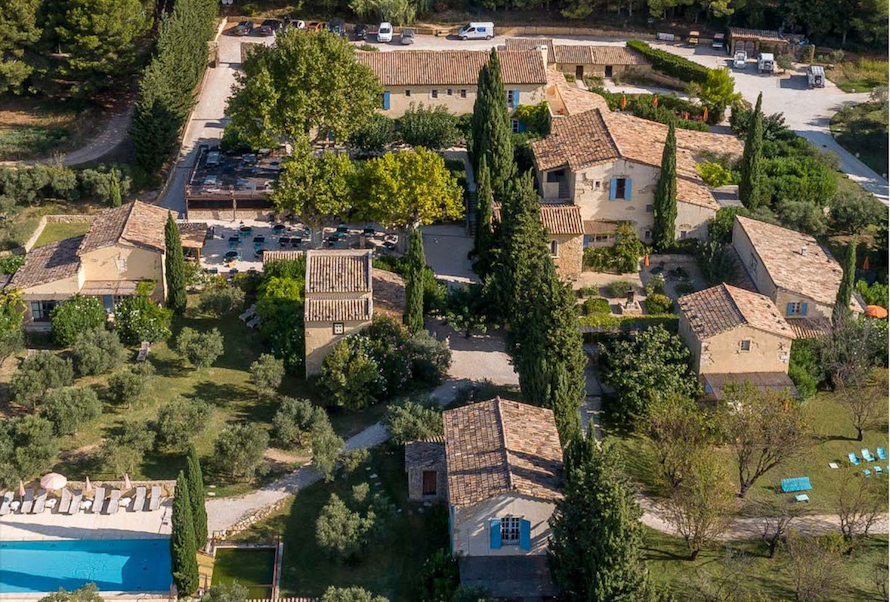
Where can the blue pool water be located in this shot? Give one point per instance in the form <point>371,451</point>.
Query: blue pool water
<point>133,565</point>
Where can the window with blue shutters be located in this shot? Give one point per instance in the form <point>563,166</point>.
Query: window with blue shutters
<point>619,189</point>
<point>512,99</point>
<point>494,534</point>
<point>803,309</point>
<point>525,534</point>
<point>386,101</point>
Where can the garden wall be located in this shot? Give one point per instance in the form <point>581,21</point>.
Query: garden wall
<point>54,219</point>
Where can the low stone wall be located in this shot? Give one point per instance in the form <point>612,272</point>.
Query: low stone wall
<point>54,219</point>
<point>249,520</point>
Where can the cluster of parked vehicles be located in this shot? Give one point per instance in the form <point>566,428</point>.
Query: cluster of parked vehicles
<point>385,31</point>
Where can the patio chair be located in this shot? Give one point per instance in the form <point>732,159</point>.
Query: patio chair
<point>113,502</point>
<point>139,502</point>
<point>75,502</point>
<point>882,453</point>
<point>155,501</point>
<point>866,455</point>
<point>878,471</point>
<point>27,502</point>
<point>866,472</point>
<point>253,323</point>
<point>39,503</point>
<point>796,484</point>
<point>4,503</point>
<point>802,497</point>
<point>853,459</point>
<point>65,502</point>
<point>98,501</point>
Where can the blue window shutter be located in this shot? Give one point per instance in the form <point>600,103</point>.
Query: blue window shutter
<point>494,534</point>
<point>803,309</point>
<point>627,189</point>
<point>515,98</point>
<point>613,189</point>
<point>789,310</point>
<point>386,101</point>
<point>521,127</point>
<point>525,535</point>
<point>450,529</point>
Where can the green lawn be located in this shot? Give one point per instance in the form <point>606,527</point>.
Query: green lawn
<point>388,567</point>
<point>55,232</point>
<point>862,130</point>
<point>833,437</point>
<point>862,75</point>
<point>32,128</point>
<point>250,568</point>
<point>667,560</point>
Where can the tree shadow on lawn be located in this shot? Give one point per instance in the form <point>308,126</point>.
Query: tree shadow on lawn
<point>170,367</point>
<point>225,394</point>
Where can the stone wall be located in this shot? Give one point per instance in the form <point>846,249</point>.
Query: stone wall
<point>54,219</point>
<point>570,255</point>
<point>415,485</point>
<point>249,520</point>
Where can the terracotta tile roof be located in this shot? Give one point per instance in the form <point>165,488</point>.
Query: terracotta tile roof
<point>270,256</point>
<point>193,234</point>
<point>531,44</point>
<point>136,223</point>
<point>558,218</point>
<point>763,381</point>
<point>338,272</point>
<point>762,34</point>
<point>451,67</point>
<point>577,141</point>
<point>722,308</point>
<point>389,294</point>
<point>565,99</point>
<point>424,454</point>
<point>814,274</point>
<point>597,55</point>
<point>810,328</point>
<point>55,261</point>
<point>358,309</point>
<point>496,447</point>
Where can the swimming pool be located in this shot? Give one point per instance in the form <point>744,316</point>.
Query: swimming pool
<point>132,565</point>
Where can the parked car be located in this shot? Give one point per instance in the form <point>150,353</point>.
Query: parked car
<point>766,62</point>
<point>816,76</point>
<point>476,31</point>
<point>360,31</point>
<point>407,36</point>
<point>384,33</point>
<point>243,28</point>
<point>740,60</point>
<point>316,25</point>
<point>337,27</point>
<point>269,27</point>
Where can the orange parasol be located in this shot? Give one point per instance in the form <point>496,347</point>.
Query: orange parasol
<point>876,311</point>
<point>865,265</point>
<point>655,100</point>
<point>623,102</point>
<point>704,116</point>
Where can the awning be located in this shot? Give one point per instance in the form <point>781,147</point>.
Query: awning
<point>810,328</point>
<point>715,384</point>
<point>95,288</point>
<point>598,227</point>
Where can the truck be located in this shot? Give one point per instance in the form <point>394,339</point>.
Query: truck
<point>766,62</point>
<point>740,59</point>
<point>815,76</point>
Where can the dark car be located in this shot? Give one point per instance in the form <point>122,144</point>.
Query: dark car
<point>338,27</point>
<point>360,31</point>
<point>269,27</point>
<point>243,28</point>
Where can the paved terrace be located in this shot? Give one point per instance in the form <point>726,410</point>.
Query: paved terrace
<point>49,525</point>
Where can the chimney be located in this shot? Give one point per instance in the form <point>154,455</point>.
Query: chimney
<point>803,250</point>
<point>542,48</point>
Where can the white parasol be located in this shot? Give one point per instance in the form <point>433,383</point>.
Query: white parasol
<point>53,481</point>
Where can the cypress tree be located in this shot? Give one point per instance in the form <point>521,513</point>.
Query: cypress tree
<point>492,136</point>
<point>750,184</point>
<point>182,540</point>
<point>565,348</point>
<point>665,206</point>
<point>175,264</point>
<point>483,234</point>
<point>845,290</point>
<point>413,317</point>
<point>596,534</point>
<point>196,497</point>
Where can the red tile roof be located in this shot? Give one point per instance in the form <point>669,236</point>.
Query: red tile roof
<point>451,67</point>
<point>722,308</point>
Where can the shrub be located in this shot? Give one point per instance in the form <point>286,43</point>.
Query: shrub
<point>238,450</point>
<point>714,174</point>
<point>179,421</point>
<point>37,374</point>
<point>376,134</point>
<point>350,377</point>
<point>440,577</point>
<point>430,127</point>
<point>413,421</point>
<point>351,594</point>
<point>684,288</point>
<point>107,184</point>
<point>10,264</point>
<point>138,319</point>
<point>97,352</point>
<point>588,291</point>
<point>69,408</point>
<point>655,285</point>
<point>659,304</point>
<point>598,259</point>
<point>597,305</point>
<point>129,386</point>
<point>803,381</point>
<point>720,228</point>
<point>627,250</point>
<point>535,118</point>
<point>226,592</point>
<point>670,63</point>
<point>124,451</point>
<point>430,358</point>
<point>874,293</point>
<point>200,348</point>
<point>219,301</point>
<point>296,420</point>
<point>76,316</point>
<point>327,450</point>
<point>267,373</point>
<point>618,288</point>
<point>352,460</point>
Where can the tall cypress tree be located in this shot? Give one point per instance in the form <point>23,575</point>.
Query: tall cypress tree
<point>665,206</point>
<point>750,185</point>
<point>182,540</point>
<point>196,497</point>
<point>175,264</point>
<point>596,533</point>
<point>483,217</point>
<point>492,136</point>
<point>845,290</point>
<point>413,317</point>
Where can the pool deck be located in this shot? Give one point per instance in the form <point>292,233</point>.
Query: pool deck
<point>86,525</point>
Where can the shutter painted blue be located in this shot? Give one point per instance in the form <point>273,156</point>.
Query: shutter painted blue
<point>627,183</point>
<point>521,127</point>
<point>515,98</point>
<point>450,527</point>
<point>494,534</point>
<point>789,309</point>
<point>613,189</point>
<point>803,309</point>
<point>525,535</point>
<point>386,101</point>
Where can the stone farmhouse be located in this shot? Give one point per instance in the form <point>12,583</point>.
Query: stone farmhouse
<point>123,247</point>
<point>736,335</point>
<point>562,221</point>
<point>449,78</point>
<point>794,270</point>
<point>585,60</point>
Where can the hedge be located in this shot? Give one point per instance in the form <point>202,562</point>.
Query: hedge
<point>614,323</point>
<point>670,64</point>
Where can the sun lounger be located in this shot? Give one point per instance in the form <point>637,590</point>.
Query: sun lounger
<point>866,472</point>
<point>39,503</point>
<point>802,497</point>
<point>796,484</point>
<point>248,314</point>
<point>65,502</point>
<point>143,351</point>
<point>866,455</point>
<point>113,501</point>
<point>155,501</point>
<point>75,502</point>
<point>853,459</point>
<point>27,502</point>
<point>139,502</point>
<point>98,501</point>
<point>882,453</point>
<point>878,470</point>
<point>253,322</point>
<point>4,503</point>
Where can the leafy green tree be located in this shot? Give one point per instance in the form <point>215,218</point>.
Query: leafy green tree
<point>350,376</point>
<point>175,267</point>
<point>853,210</point>
<point>350,594</point>
<point>340,532</point>
<point>665,206</point>
<point>29,447</point>
<point>296,420</point>
<point>180,421</point>
<point>750,184</point>
<point>327,449</point>
<point>720,228</point>
<point>226,592</point>
<point>439,578</point>
<point>413,421</point>
<point>239,448</point>
<point>20,31</point>
<point>492,136</point>
<point>304,85</point>
<point>483,234</point>
<point>200,348</point>
<point>138,319</point>
<point>129,386</point>
<point>595,547</point>
<point>107,184</point>
<point>267,373</point>
<point>845,289</point>
<point>125,450</point>
<point>430,127</point>
<point>467,308</point>
<point>37,374</point>
<point>195,478</point>
<point>11,335</point>
<point>97,352</point>
<point>717,92</point>
<point>219,301</point>
<point>378,132</point>
<point>678,431</point>
<point>627,249</point>
<point>183,547</point>
<point>76,316</point>
<point>414,283</point>
<point>69,408</point>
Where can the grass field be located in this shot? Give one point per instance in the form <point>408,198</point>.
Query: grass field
<point>55,232</point>
<point>389,567</point>
<point>859,76</point>
<point>862,130</point>
<point>833,437</point>
<point>251,568</point>
<point>31,129</point>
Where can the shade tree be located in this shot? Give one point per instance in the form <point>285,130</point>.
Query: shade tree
<point>37,374</point>
<point>238,450</point>
<point>266,373</point>
<point>69,408</point>
<point>179,422</point>
<point>76,316</point>
<point>97,352</point>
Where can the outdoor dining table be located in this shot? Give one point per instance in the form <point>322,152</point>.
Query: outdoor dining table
<point>259,240</point>
<point>233,241</point>
<point>245,230</point>
<point>278,228</point>
<point>231,255</point>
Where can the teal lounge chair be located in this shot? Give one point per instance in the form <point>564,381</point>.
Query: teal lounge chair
<point>866,472</point>
<point>853,459</point>
<point>866,455</point>
<point>802,497</point>
<point>882,453</point>
<point>878,470</point>
<point>796,484</point>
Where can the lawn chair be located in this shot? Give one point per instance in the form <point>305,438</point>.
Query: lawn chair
<point>39,503</point>
<point>5,502</point>
<point>113,502</point>
<point>65,502</point>
<point>143,351</point>
<point>866,472</point>
<point>882,453</point>
<point>154,501</point>
<point>98,501</point>
<point>866,455</point>
<point>253,322</point>
<point>796,484</point>
<point>802,497</point>
<point>75,502</point>
<point>27,502</point>
<point>139,502</point>
<point>878,471</point>
<point>853,459</point>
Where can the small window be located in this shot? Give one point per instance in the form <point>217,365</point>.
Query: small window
<point>338,328</point>
<point>434,94</point>
<point>514,125</point>
<point>510,530</point>
<point>449,92</point>
<point>430,481</point>
<point>794,308</point>
<point>597,185</point>
<point>407,92</point>
<point>121,264</point>
<point>745,345</point>
<point>621,188</point>
<point>647,234</point>
<point>683,234</point>
<point>650,208</point>
<point>554,248</point>
<point>40,310</point>
<point>511,102</point>
<point>463,93</point>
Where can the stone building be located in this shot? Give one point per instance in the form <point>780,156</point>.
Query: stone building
<point>425,465</point>
<point>584,60</point>
<point>565,234</point>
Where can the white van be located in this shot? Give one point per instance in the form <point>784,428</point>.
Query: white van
<point>384,33</point>
<point>816,76</point>
<point>766,62</point>
<point>476,31</point>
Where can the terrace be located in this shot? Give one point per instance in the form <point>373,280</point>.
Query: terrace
<point>224,185</point>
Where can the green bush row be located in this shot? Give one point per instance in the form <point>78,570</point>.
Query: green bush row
<point>628,323</point>
<point>670,64</point>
